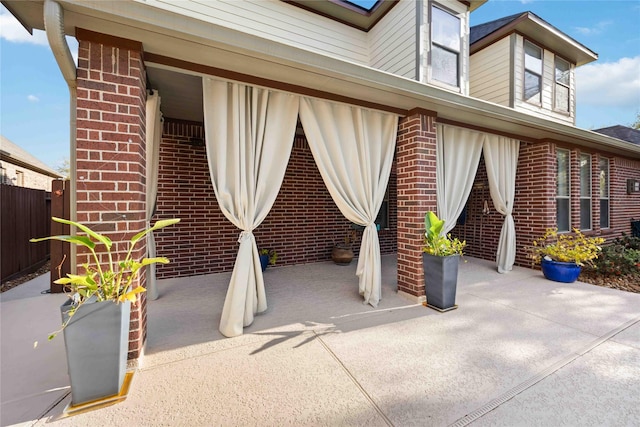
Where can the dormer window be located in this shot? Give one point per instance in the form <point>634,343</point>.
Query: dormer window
<point>532,73</point>
<point>563,83</point>
<point>445,47</point>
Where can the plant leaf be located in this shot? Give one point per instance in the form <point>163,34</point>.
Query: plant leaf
<point>159,260</point>
<point>132,295</point>
<point>76,240</point>
<point>76,280</point>
<point>157,226</point>
<point>99,237</point>
<point>432,224</point>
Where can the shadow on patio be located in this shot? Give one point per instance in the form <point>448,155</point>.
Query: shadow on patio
<point>543,351</point>
<point>322,297</point>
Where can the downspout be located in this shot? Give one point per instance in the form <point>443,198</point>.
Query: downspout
<point>54,28</point>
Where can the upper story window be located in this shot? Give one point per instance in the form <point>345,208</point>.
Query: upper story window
<point>532,73</point>
<point>445,47</point>
<point>563,83</point>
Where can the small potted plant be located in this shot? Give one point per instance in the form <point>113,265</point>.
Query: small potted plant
<point>267,257</point>
<point>95,319</point>
<point>561,256</point>
<point>440,257</point>
<point>342,252</point>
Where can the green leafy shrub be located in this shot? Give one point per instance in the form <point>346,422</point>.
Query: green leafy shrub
<point>271,253</point>
<point>622,257</point>
<point>628,242</point>
<point>111,281</point>
<point>437,244</point>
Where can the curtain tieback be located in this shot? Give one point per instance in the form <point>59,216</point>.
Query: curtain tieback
<point>244,235</point>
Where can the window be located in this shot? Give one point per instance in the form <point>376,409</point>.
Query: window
<point>4,178</point>
<point>532,73</point>
<point>562,190</point>
<point>383,214</point>
<point>585,191</point>
<point>19,178</point>
<point>563,82</point>
<point>445,47</point>
<point>604,193</point>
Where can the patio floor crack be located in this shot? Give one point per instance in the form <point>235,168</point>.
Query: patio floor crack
<point>354,380</point>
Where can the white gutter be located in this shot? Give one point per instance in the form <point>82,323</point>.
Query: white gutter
<point>54,28</point>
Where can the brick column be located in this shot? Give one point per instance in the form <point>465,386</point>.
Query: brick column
<point>111,151</point>
<point>416,166</point>
<point>534,208</point>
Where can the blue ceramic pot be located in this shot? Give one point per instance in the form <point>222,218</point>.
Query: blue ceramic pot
<point>264,261</point>
<point>565,272</point>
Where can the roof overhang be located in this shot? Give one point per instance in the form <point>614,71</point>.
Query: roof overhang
<point>539,31</point>
<point>196,48</point>
<point>6,157</point>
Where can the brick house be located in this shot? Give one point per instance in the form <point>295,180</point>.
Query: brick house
<point>413,60</point>
<point>19,168</point>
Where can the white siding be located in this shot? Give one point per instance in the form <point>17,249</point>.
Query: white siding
<point>489,76</point>
<point>548,83</point>
<point>278,21</point>
<point>393,41</point>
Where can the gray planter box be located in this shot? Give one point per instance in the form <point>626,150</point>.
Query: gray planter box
<point>97,343</point>
<point>440,280</point>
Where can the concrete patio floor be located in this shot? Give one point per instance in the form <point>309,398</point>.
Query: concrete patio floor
<point>520,350</point>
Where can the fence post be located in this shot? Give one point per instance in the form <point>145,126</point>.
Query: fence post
<point>60,251</point>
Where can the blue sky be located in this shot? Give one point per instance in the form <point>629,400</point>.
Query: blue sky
<point>34,99</point>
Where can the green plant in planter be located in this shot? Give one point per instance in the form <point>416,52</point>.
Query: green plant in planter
<point>271,253</point>
<point>571,247</point>
<point>440,259</point>
<point>110,282</point>
<point>437,244</point>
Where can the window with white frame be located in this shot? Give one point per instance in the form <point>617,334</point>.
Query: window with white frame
<point>445,46</point>
<point>585,191</point>
<point>532,73</point>
<point>563,83</point>
<point>563,190</point>
<point>604,192</point>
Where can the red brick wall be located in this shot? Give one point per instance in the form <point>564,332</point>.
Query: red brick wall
<point>302,225</point>
<point>481,230</point>
<point>535,206</point>
<point>111,155</point>
<point>623,207</point>
<point>416,170</point>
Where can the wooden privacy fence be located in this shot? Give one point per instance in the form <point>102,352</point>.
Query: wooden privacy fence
<point>60,251</point>
<point>24,213</point>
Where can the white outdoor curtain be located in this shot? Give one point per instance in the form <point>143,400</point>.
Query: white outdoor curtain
<point>153,137</point>
<point>353,149</point>
<point>249,135</point>
<point>457,156</point>
<point>501,158</point>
